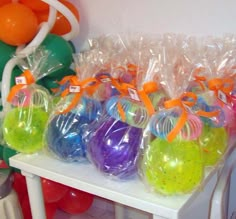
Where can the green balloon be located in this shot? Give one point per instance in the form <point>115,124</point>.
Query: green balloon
<point>214,142</point>
<point>6,53</point>
<point>172,168</point>
<point>7,153</point>
<point>1,152</point>
<point>15,72</point>
<point>61,50</point>
<point>23,129</point>
<point>72,46</point>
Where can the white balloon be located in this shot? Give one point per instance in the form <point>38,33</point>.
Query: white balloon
<point>6,79</point>
<point>69,16</point>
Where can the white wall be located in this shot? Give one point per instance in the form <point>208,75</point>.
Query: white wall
<point>204,17</point>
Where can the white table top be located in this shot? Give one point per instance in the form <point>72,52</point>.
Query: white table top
<point>85,177</point>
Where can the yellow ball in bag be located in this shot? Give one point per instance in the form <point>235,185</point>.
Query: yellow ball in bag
<point>23,128</point>
<point>213,142</point>
<point>172,168</point>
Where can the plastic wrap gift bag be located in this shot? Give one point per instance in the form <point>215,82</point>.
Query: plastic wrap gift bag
<point>114,141</point>
<point>68,122</point>
<point>201,62</point>
<point>215,95</point>
<point>77,109</point>
<point>171,159</point>
<point>112,60</point>
<point>29,104</point>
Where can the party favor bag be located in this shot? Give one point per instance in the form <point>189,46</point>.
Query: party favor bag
<point>114,141</point>
<point>29,104</point>
<point>74,112</point>
<point>171,159</point>
<point>214,78</point>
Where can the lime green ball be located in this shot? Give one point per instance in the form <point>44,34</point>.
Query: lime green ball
<point>214,142</point>
<point>23,129</point>
<point>172,168</point>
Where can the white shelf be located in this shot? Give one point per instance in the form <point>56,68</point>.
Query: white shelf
<point>85,177</point>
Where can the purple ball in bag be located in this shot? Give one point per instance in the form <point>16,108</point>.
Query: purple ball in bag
<point>113,148</point>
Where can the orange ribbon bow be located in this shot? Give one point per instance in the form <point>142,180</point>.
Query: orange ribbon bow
<point>85,85</point>
<point>181,103</point>
<point>28,79</point>
<point>222,86</point>
<point>187,99</point>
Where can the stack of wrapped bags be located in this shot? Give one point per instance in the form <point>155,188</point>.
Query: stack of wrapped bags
<point>158,107</point>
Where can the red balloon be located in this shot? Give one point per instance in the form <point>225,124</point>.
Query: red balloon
<point>53,191</point>
<point>19,185</point>
<point>62,25</point>
<point>3,164</point>
<point>76,201</point>
<point>50,209</point>
<point>18,24</point>
<point>4,2</point>
<point>36,5</point>
<point>25,206</point>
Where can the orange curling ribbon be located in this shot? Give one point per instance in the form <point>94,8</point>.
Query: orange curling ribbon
<point>81,85</point>
<point>181,103</point>
<point>61,82</point>
<point>65,79</point>
<point>224,85</point>
<point>200,80</point>
<point>28,79</point>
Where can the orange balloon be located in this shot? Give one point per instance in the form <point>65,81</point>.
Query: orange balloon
<point>62,25</point>
<point>36,5</point>
<point>18,24</point>
<point>3,2</point>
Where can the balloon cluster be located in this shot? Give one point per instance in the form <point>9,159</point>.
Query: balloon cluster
<point>70,200</point>
<point>56,197</point>
<point>30,14</point>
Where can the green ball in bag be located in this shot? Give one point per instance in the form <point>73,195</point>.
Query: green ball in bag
<point>23,129</point>
<point>213,142</point>
<point>172,168</point>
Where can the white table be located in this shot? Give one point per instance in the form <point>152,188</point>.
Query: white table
<point>131,193</point>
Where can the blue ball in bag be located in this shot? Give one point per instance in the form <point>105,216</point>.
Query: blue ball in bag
<point>64,137</point>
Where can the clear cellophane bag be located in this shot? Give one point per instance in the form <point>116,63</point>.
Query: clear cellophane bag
<point>29,104</point>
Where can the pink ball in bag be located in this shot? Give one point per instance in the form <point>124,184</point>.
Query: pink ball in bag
<point>22,98</point>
